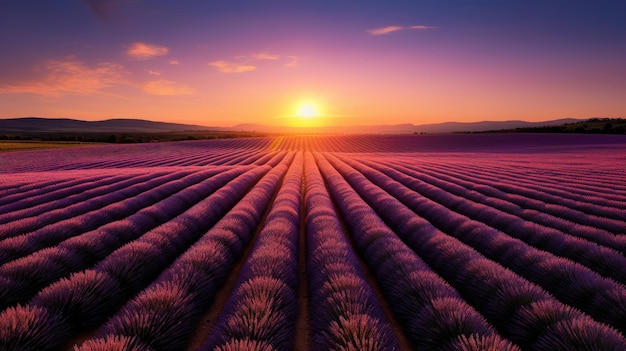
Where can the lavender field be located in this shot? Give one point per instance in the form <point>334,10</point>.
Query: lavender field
<point>451,242</point>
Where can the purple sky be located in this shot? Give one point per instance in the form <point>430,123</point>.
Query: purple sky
<point>364,62</point>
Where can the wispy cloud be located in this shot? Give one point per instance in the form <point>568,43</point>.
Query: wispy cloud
<point>143,51</point>
<point>174,62</point>
<point>167,87</point>
<point>231,67</point>
<point>71,76</point>
<point>154,73</point>
<point>384,30</point>
<point>391,29</point>
<point>265,56</point>
<point>293,61</point>
<point>246,63</point>
<point>104,8</point>
<point>423,27</point>
<point>100,7</point>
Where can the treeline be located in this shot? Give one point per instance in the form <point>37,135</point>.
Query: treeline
<point>590,126</point>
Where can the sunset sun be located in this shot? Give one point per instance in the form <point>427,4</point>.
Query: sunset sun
<point>307,111</point>
<point>307,114</point>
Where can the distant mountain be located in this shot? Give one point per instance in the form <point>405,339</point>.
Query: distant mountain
<point>447,127</point>
<point>65,125</point>
<point>407,128</point>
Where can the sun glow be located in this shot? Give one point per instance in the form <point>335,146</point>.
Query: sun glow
<point>307,111</point>
<point>307,114</point>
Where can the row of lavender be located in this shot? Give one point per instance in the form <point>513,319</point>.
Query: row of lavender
<point>109,263</point>
<point>260,314</point>
<point>164,314</point>
<point>458,247</point>
<point>183,154</point>
<point>396,258</point>
<point>253,150</point>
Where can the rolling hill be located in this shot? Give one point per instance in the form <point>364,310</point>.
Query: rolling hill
<point>66,125</point>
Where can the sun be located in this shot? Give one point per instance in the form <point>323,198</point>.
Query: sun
<point>307,114</point>
<point>307,111</point>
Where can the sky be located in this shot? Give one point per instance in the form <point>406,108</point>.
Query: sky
<point>313,63</point>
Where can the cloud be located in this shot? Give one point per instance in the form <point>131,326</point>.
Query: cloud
<point>174,62</point>
<point>71,76</point>
<point>384,30</point>
<point>293,62</point>
<point>143,51</point>
<point>167,87</point>
<point>391,29</point>
<point>104,8</point>
<point>247,63</point>
<point>265,56</point>
<point>423,27</point>
<point>100,7</point>
<point>231,67</point>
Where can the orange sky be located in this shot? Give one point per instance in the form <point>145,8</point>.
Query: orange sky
<point>222,65</point>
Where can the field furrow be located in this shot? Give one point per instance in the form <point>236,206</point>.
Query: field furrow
<point>481,217</point>
<point>575,211</point>
<point>550,196</point>
<point>496,199</point>
<point>568,281</point>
